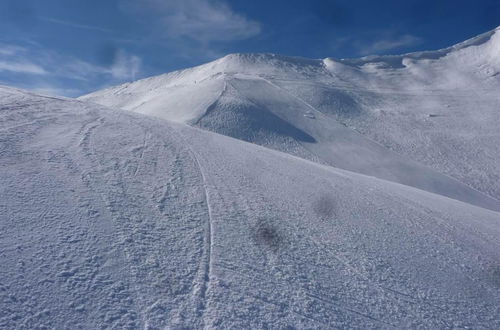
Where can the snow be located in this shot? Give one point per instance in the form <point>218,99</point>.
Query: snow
<point>259,191</point>
<point>429,119</point>
<point>111,219</point>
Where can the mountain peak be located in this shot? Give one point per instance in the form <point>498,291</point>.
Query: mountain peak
<point>260,62</point>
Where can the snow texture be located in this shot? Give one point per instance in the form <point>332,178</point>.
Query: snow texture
<point>111,219</point>
<point>303,194</point>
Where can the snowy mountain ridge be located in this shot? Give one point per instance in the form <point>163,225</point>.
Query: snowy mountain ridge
<point>428,55</point>
<point>426,119</point>
<point>267,63</point>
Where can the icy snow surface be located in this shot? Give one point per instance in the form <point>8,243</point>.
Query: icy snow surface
<point>110,219</point>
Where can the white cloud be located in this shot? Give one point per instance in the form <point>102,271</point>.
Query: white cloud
<point>8,50</point>
<point>201,20</point>
<point>21,67</point>
<point>74,68</point>
<point>386,44</point>
<point>125,66</point>
<point>12,59</point>
<point>74,25</point>
<point>56,74</point>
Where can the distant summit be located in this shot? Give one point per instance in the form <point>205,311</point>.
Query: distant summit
<point>426,119</point>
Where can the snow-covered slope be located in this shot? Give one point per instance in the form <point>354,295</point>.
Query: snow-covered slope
<point>419,119</point>
<point>113,219</point>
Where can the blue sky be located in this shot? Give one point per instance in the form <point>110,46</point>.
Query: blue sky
<point>71,47</point>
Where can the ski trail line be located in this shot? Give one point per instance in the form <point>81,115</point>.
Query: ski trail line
<point>85,133</point>
<point>205,272</point>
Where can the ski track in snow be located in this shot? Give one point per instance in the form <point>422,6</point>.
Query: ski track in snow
<point>110,219</point>
<point>297,286</point>
<point>120,220</point>
<point>201,290</point>
<point>85,144</point>
<point>392,294</point>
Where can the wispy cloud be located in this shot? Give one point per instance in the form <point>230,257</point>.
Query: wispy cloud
<point>389,43</point>
<point>73,24</point>
<point>201,20</point>
<point>52,73</point>
<point>10,49</point>
<point>378,42</point>
<point>125,66</point>
<point>12,59</point>
<point>21,67</point>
